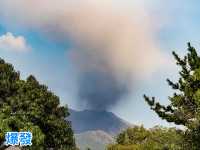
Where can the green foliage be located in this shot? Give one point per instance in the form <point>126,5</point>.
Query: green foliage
<point>123,147</point>
<point>157,138</point>
<point>184,107</point>
<point>26,105</point>
<point>133,136</point>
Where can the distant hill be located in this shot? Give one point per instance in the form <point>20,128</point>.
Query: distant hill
<point>95,140</point>
<point>90,120</point>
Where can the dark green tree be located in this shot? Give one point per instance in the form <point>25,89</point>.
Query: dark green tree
<point>26,105</point>
<point>184,107</point>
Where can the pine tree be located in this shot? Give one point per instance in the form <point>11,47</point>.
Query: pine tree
<point>184,107</point>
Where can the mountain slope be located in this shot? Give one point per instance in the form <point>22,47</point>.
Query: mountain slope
<point>88,120</point>
<point>95,140</point>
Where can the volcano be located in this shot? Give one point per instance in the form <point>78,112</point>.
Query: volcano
<point>91,120</point>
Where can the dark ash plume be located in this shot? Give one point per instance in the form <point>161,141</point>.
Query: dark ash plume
<point>100,90</point>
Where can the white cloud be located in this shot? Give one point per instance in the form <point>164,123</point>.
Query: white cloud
<point>10,42</point>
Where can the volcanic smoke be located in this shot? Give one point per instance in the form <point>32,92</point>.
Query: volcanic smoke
<point>113,42</point>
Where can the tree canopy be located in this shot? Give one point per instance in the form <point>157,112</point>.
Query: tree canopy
<point>184,107</point>
<point>157,138</point>
<point>26,105</point>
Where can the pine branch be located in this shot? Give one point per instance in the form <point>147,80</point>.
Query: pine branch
<point>173,85</point>
<point>166,113</point>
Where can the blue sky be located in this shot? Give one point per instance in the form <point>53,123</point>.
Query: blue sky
<point>47,58</point>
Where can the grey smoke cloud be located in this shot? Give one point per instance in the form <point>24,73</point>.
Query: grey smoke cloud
<point>100,91</point>
<point>113,41</point>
